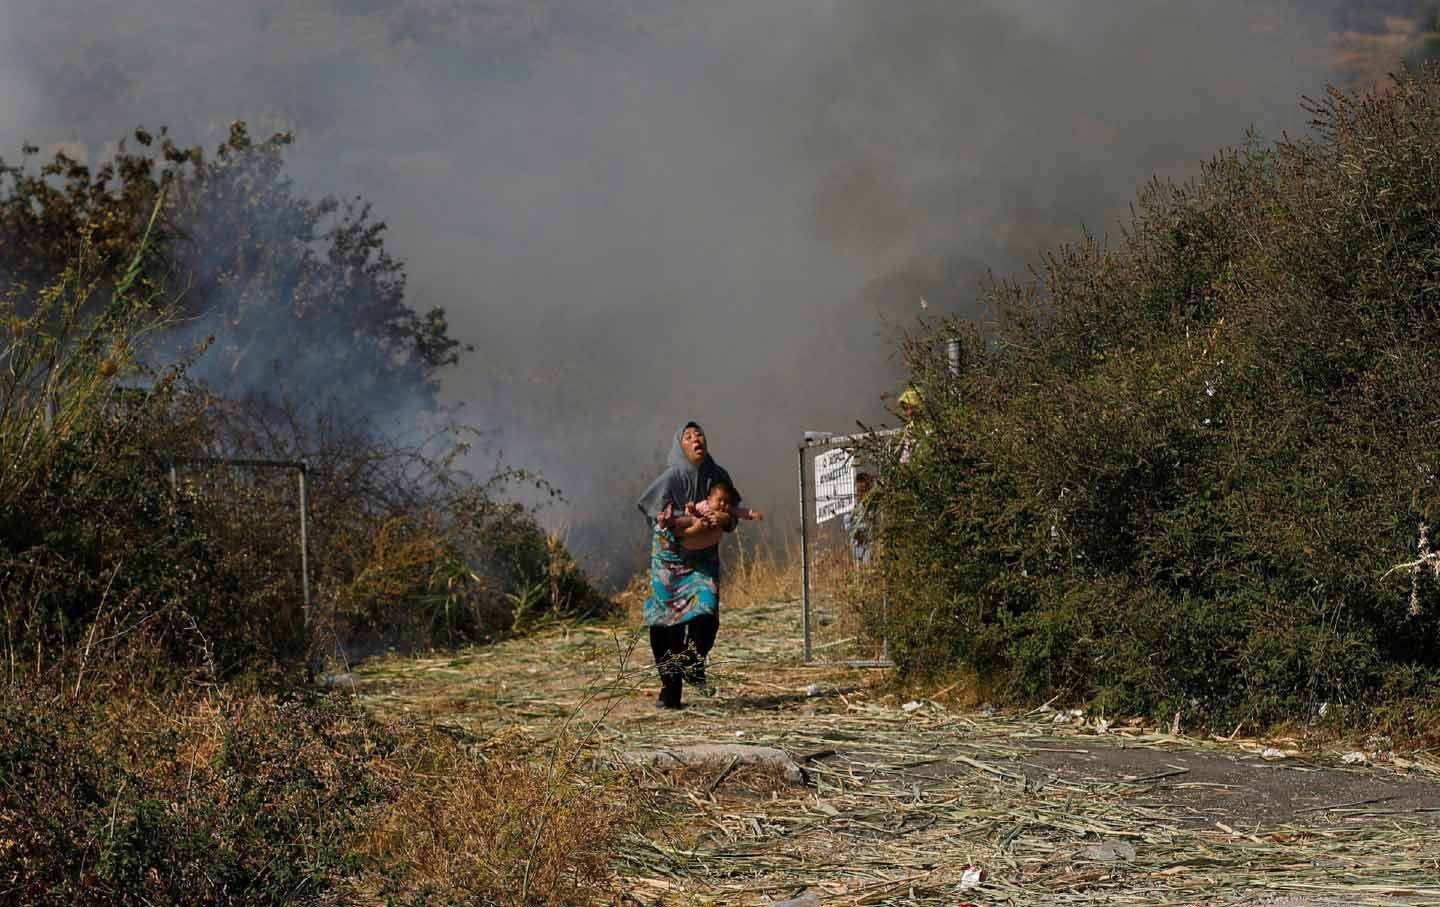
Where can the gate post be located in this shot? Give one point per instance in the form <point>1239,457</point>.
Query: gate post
<point>804,556</point>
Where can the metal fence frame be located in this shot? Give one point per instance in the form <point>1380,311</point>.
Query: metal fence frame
<point>301,469</point>
<point>811,441</point>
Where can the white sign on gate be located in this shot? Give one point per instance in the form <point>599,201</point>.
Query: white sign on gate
<point>834,484</point>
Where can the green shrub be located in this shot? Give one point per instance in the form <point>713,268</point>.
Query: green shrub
<point>114,513</point>
<point>1173,472</point>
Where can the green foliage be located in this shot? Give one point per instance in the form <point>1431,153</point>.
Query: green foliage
<point>136,570</point>
<point>1174,472</point>
<point>89,530</point>
<point>114,521</point>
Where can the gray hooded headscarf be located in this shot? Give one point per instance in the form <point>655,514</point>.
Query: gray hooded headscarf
<point>682,482</point>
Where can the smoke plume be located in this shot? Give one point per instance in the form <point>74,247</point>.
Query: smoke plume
<point>642,212</point>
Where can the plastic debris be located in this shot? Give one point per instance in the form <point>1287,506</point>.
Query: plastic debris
<point>911,706</point>
<point>813,690</point>
<point>1271,752</point>
<point>1355,757</point>
<point>971,876</point>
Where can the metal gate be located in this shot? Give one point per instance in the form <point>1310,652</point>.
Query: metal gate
<point>843,597</point>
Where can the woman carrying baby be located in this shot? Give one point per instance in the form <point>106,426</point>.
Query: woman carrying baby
<point>683,610</point>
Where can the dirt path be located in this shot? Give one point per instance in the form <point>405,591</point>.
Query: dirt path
<point>902,797</point>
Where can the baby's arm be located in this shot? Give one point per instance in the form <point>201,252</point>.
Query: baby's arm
<point>693,516</point>
<point>686,521</point>
<point>665,519</point>
<point>693,526</point>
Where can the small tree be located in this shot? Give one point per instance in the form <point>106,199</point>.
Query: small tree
<point>301,296</point>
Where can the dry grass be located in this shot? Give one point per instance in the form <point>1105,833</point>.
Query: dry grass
<point>504,824</point>
<point>761,576</point>
<point>118,793</point>
<point>901,799</point>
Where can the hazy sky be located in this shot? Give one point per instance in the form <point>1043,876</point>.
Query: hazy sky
<point>640,212</point>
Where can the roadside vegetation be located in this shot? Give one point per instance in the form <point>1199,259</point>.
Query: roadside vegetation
<point>1190,473</point>
<point>161,741</point>
<point>1177,469</point>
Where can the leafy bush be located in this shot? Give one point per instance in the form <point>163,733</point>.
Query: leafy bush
<point>117,510</point>
<point>406,548</point>
<point>87,525</point>
<point>1172,473</point>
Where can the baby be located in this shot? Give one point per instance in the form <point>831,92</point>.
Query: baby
<point>720,501</point>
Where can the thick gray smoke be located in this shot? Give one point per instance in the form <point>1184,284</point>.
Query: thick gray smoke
<point>642,212</point>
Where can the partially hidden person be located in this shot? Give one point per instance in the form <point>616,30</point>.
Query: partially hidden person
<point>912,438</point>
<point>858,521</point>
<point>682,611</point>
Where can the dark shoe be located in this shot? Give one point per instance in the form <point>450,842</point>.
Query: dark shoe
<point>668,700</point>
<point>695,676</point>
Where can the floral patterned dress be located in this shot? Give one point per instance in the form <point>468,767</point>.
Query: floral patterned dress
<point>683,583</point>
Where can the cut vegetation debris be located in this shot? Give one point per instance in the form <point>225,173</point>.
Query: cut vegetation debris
<point>900,805</point>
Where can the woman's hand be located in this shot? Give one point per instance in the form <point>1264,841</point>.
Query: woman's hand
<point>719,520</point>
<point>702,536</point>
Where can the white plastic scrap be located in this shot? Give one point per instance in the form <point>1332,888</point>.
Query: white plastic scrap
<point>813,690</point>
<point>1355,757</point>
<point>911,706</point>
<point>1271,752</point>
<point>971,877</point>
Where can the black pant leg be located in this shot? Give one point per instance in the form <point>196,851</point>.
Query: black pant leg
<point>702,630</point>
<point>667,644</point>
<point>699,640</point>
